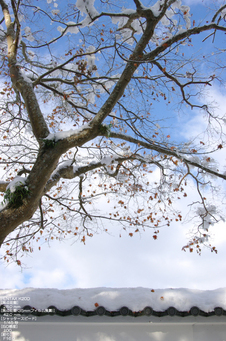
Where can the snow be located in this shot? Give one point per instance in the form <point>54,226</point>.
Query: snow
<point>195,159</point>
<point>137,26</point>
<point>126,34</point>
<point>128,11</point>
<point>180,30</point>
<point>209,163</point>
<point>25,77</point>
<point>120,21</point>
<point>156,8</point>
<point>17,181</point>
<point>60,29</point>
<point>165,21</point>
<point>107,160</point>
<point>87,7</point>
<point>64,164</point>
<point>113,299</point>
<point>55,11</point>
<point>72,28</point>
<point>28,34</point>
<point>70,67</point>
<point>31,54</point>
<point>206,213</point>
<point>65,134</point>
<point>108,84</point>
<point>91,58</point>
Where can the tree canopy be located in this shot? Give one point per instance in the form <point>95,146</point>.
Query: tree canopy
<point>96,100</point>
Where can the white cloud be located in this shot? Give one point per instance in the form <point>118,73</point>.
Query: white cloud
<point>111,261</point>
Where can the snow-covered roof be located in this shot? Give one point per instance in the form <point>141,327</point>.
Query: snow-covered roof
<point>114,302</point>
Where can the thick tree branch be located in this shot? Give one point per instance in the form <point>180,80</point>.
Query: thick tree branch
<point>127,73</point>
<point>21,82</point>
<point>167,151</point>
<point>178,37</point>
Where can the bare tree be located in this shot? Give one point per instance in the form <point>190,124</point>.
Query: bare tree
<point>89,99</point>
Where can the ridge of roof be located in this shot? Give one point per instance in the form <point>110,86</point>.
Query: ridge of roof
<point>101,311</point>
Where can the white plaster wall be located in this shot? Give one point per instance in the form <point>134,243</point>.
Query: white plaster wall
<point>86,331</point>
